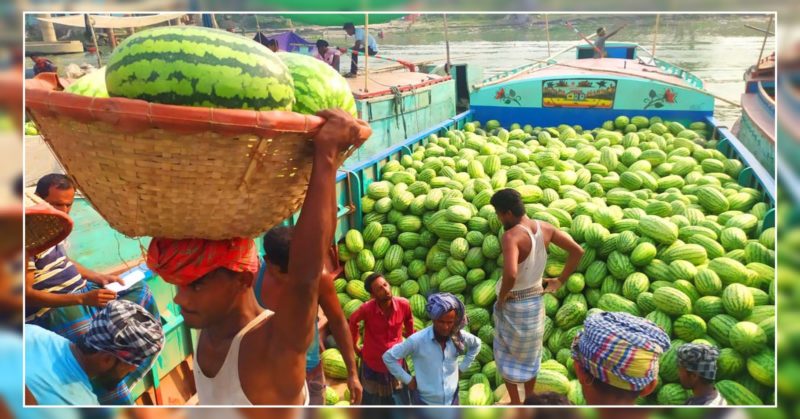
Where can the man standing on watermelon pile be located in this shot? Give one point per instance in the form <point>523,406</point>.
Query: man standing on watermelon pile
<point>215,278</point>
<point>519,312</point>
<point>269,288</point>
<point>697,369</point>
<point>616,359</point>
<point>434,352</point>
<point>384,317</point>
<point>361,45</point>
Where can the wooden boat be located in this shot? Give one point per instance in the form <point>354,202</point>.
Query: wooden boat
<point>405,109</point>
<point>756,127</point>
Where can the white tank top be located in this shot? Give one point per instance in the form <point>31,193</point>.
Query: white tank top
<point>530,270</point>
<point>225,388</point>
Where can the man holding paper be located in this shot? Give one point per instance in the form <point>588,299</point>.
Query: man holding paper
<point>63,296</point>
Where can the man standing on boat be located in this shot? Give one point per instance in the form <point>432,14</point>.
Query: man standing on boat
<point>387,319</point>
<point>246,355</point>
<point>361,45</point>
<point>519,312</point>
<point>273,278</point>
<point>600,41</point>
<point>63,296</point>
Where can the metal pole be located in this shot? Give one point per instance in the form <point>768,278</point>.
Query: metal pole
<point>258,26</point>
<point>366,52</point>
<point>655,36</point>
<point>764,44</point>
<point>547,29</point>
<point>446,45</point>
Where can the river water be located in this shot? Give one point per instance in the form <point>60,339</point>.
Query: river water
<point>716,48</point>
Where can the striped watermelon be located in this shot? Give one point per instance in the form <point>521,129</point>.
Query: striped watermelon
<point>616,303</point>
<point>762,367</point>
<point>738,301</point>
<point>708,307</point>
<point>317,85</point>
<point>729,364</point>
<point>719,328</point>
<point>672,301</point>
<point>92,84</point>
<point>736,394</point>
<point>689,327</point>
<point>707,282</point>
<point>570,315</point>
<point>747,338</point>
<point>196,66</point>
<point>659,229</point>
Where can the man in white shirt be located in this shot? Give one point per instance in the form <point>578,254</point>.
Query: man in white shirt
<point>371,46</point>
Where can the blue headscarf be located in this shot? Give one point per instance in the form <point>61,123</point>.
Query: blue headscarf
<point>443,303</point>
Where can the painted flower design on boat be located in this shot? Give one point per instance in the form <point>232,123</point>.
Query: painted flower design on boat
<point>657,101</point>
<point>509,97</point>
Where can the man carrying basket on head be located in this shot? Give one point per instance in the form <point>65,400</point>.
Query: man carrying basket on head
<point>246,355</point>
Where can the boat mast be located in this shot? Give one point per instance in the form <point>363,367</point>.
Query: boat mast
<point>88,21</point>
<point>764,44</point>
<point>655,37</point>
<point>366,52</point>
<point>446,45</point>
<point>547,29</point>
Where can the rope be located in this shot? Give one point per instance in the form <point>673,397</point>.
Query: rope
<point>399,108</point>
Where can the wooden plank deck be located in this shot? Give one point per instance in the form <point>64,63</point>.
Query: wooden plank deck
<point>380,84</point>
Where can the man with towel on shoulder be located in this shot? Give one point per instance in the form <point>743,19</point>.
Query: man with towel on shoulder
<point>434,352</point>
<point>215,280</point>
<point>616,359</point>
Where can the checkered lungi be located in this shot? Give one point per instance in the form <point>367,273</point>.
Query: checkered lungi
<point>519,328</point>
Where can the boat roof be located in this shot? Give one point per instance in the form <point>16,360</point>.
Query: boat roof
<point>605,66</point>
<point>626,59</point>
<point>382,84</point>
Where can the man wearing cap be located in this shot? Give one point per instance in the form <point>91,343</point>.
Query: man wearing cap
<point>616,358</point>
<point>215,280</point>
<point>121,338</point>
<point>434,352</point>
<point>697,369</point>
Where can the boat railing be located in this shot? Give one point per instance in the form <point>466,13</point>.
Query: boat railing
<point>673,69</point>
<point>526,68</point>
<point>754,175</point>
<point>765,98</point>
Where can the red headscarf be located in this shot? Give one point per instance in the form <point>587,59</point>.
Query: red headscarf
<point>182,262</point>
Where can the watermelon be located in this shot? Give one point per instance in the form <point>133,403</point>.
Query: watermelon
<point>762,367</point>
<point>672,301</point>
<point>708,307</point>
<point>659,229</point>
<point>92,84</point>
<point>197,66</point>
<point>729,363</point>
<point>672,394</point>
<point>736,394</point>
<point>570,315</point>
<point>689,327</point>
<point>738,301</point>
<point>333,363</point>
<point>747,338</point>
<point>317,85</point>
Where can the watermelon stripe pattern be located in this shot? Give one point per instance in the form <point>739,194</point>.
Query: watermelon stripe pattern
<point>194,66</point>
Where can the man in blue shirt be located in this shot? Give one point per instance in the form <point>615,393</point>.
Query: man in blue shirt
<point>371,46</point>
<point>121,338</point>
<point>434,351</point>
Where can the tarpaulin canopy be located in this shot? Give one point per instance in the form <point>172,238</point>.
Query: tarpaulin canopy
<point>287,41</point>
<point>113,22</point>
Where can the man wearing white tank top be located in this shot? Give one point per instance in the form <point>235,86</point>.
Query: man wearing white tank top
<point>246,355</point>
<point>519,312</point>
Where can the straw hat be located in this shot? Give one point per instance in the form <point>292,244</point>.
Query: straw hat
<point>45,226</point>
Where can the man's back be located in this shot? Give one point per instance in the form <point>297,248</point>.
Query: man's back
<point>52,373</point>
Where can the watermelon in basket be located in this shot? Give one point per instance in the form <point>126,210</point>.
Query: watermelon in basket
<point>169,165</point>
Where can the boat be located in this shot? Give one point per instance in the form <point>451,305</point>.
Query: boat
<point>404,109</point>
<point>756,127</point>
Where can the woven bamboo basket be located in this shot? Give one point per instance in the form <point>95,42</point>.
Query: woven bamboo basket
<point>178,171</point>
<point>45,226</point>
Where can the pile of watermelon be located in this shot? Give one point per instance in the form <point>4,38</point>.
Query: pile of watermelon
<point>196,66</point>
<point>669,235</point>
